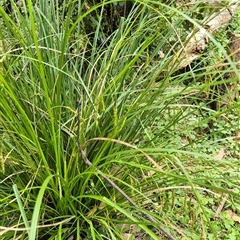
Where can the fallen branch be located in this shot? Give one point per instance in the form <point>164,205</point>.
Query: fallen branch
<point>198,41</point>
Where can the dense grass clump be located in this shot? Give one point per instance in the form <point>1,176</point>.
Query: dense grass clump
<point>100,139</point>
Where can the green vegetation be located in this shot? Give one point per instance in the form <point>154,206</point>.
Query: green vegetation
<point>100,138</point>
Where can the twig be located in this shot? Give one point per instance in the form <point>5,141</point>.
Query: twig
<point>88,163</point>
<point>220,207</point>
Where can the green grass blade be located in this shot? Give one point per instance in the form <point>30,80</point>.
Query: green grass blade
<point>37,208</point>
<point>21,208</point>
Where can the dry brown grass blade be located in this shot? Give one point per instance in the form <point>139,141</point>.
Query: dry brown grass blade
<point>16,228</point>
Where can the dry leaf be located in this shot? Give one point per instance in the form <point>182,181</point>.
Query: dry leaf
<point>150,173</point>
<point>92,211</point>
<point>127,236</point>
<point>161,54</point>
<point>220,154</point>
<point>233,216</point>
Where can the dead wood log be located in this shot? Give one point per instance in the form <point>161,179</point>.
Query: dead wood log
<point>197,41</point>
